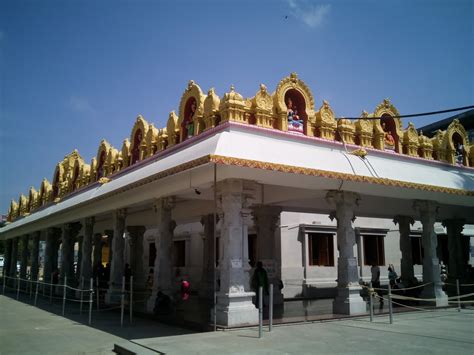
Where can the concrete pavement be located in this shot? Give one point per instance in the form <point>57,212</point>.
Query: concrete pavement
<point>25,329</point>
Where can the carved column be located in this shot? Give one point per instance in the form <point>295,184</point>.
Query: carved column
<point>56,245</point>
<point>14,257</point>
<point>234,299</point>
<point>209,258</point>
<point>454,228</point>
<point>268,250</point>
<point>8,258</point>
<point>50,253</point>
<point>110,243</point>
<point>69,233</point>
<point>86,261</point>
<point>24,255</point>
<point>136,255</point>
<point>431,270</point>
<point>97,252</point>
<point>35,256</point>
<point>406,262</point>
<point>348,300</point>
<point>80,240</point>
<point>163,270</point>
<point>118,264</point>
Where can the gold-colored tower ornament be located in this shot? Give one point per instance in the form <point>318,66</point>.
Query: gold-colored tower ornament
<point>364,130</point>
<point>232,107</point>
<point>211,109</point>
<point>262,108</point>
<point>410,140</point>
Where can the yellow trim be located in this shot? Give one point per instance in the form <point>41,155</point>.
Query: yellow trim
<point>335,175</point>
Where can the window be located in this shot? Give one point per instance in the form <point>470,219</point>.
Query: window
<point>252,249</point>
<point>374,250</point>
<point>151,254</point>
<point>321,249</point>
<point>416,250</point>
<point>179,253</point>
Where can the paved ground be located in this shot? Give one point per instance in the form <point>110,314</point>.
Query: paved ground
<point>25,329</point>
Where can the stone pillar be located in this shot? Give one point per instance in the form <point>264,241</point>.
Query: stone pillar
<point>234,299</point>
<point>97,252</point>
<point>117,266</point>
<point>80,240</point>
<point>163,271</point>
<point>348,300</point>
<point>35,256</point>
<point>50,253</point>
<point>406,262</point>
<point>56,245</point>
<point>8,258</point>
<point>456,265</point>
<point>431,270</point>
<point>69,233</point>
<point>14,257</point>
<point>136,255</point>
<point>24,255</point>
<point>86,260</point>
<point>268,250</point>
<point>110,242</point>
<point>208,262</point>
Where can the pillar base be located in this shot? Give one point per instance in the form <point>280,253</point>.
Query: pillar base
<point>113,296</point>
<point>434,291</point>
<point>348,301</point>
<point>151,302</point>
<point>236,309</point>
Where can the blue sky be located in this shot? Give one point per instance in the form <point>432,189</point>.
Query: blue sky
<point>74,72</point>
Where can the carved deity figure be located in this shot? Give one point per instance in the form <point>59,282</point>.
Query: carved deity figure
<point>459,154</point>
<point>189,122</point>
<point>295,123</point>
<point>388,138</point>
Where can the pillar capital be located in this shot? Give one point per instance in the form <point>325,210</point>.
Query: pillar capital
<point>405,220</point>
<point>136,231</point>
<point>164,203</point>
<point>456,224</point>
<point>71,229</point>
<point>89,222</point>
<point>347,199</point>
<point>424,207</point>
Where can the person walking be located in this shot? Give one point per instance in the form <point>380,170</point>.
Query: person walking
<point>392,275</point>
<point>259,279</point>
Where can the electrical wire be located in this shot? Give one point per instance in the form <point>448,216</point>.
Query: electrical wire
<point>411,115</point>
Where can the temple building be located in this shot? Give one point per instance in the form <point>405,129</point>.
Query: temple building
<point>274,178</point>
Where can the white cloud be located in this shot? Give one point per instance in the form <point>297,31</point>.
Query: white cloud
<point>80,104</point>
<point>311,14</point>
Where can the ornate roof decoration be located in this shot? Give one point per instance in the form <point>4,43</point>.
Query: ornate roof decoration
<point>22,205</point>
<point>125,153</point>
<point>292,82</point>
<point>12,211</point>
<point>263,100</point>
<point>172,129</point>
<point>454,127</point>
<point>325,122</point>
<point>192,91</point>
<point>410,140</point>
<point>211,103</point>
<point>142,125</point>
<point>232,107</point>
<point>265,109</point>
